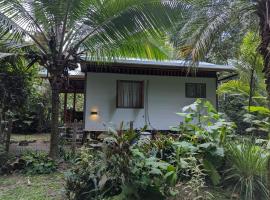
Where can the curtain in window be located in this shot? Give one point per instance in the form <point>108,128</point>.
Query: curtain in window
<point>130,94</point>
<point>195,90</point>
<point>201,90</point>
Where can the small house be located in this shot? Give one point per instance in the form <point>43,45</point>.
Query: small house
<point>144,92</point>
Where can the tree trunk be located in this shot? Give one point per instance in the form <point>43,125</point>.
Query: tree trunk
<point>55,117</point>
<point>9,130</point>
<point>1,126</point>
<point>251,84</point>
<point>74,136</point>
<point>263,12</point>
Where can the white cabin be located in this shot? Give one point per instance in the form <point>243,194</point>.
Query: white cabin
<point>146,93</point>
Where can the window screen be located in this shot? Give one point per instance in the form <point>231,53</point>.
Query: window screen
<point>130,94</point>
<point>195,90</point>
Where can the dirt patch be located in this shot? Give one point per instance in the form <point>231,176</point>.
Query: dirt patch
<point>16,149</point>
<point>35,142</point>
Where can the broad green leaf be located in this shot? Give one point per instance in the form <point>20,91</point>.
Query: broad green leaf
<point>155,171</point>
<point>212,172</point>
<point>186,146</point>
<point>259,109</point>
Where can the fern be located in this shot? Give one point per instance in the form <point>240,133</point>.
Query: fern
<point>233,87</point>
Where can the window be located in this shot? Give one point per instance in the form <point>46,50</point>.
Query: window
<point>129,94</point>
<point>195,90</point>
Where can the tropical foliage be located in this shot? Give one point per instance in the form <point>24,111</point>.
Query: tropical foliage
<point>38,163</point>
<point>213,22</point>
<point>61,33</point>
<point>249,64</point>
<point>129,167</point>
<point>214,29</point>
<point>258,118</point>
<point>248,171</point>
<point>204,153</point>
<point>188,162</point>
<point>22,95</point>
<point>248,89</point>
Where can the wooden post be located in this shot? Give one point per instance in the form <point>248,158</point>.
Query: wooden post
<point>131,124</point>
<point>74,136</point>
<point>65,107</point>
<point>1,126</point>
<point>9,130</point>
<point>84,138</point>
<point>74,105</point>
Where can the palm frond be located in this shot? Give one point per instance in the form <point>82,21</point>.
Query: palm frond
<point>17,17</point>
<point>115,21</point>
<point>4,55</point>
<point>103,28</point>
<point>234,87</point>
<point>210,21</point>
<point>136,46</point>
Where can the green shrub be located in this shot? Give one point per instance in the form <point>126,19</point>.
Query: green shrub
<point>154,169</point>
<point>85,180</point>
<point>234,108</point>
<point>120,171</point>
<point>3,155</point>
<point>258,118</point>
<point>38,163</point>
<point>203,132</point>
<point>195,187</point>
<point>65,153</point>
<point>247,171</point>
<point>202,123</point>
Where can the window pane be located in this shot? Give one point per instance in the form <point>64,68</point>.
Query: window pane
<point>201,90</point>
<point>130,94</point>
<point>195,90</point>
<point>190,90</point>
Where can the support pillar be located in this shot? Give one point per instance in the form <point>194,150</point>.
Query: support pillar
<point>74,105</point>
<point>65,107</point>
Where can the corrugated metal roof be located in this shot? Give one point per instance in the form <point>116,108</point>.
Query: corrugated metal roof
<point>165,64</point>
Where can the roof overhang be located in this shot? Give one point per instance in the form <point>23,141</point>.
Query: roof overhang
<point>138,67</point>
<point>166,64</point>
<point>74,84</point>
<point>72,74</point>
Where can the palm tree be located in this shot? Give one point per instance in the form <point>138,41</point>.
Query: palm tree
<point>14,79</point>
<point>249,65</point>
<point>61,31</point>
<point>212,23</point>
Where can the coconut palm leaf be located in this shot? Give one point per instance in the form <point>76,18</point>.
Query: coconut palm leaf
<point>63,26</point>
<point>211,21</point>
<point>113,26</point>
<point>63,30</point>
<point>136,46</point>
<point>4,55</point>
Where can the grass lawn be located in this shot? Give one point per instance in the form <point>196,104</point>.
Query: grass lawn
<point>30,137</point>
<point>39,187</point>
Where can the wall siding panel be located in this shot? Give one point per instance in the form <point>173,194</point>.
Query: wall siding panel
<point>166,96</point>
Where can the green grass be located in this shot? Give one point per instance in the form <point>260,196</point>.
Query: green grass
<point>221,194</point>
<point>41,187</point>
<point>30,137</point>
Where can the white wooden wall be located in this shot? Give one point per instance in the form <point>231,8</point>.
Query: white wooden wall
<point>166,96</point>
